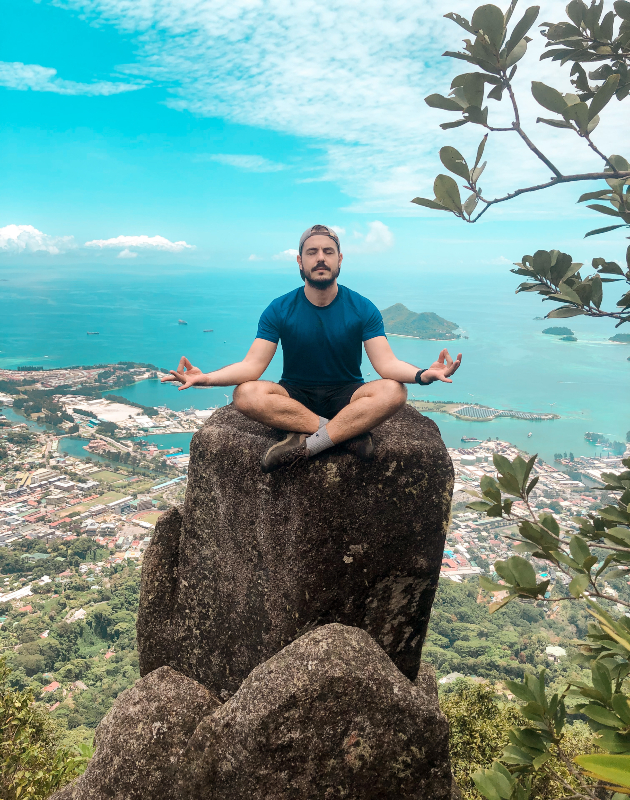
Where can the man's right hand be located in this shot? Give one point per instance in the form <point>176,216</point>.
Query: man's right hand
<point>185,374</point>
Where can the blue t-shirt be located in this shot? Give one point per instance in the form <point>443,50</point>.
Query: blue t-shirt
<point>321,345</point>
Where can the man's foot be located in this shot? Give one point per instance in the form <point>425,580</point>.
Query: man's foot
<point>285,452</point>
<point>361,446</point>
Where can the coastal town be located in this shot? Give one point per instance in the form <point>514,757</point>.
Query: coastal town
<point>115,490</point>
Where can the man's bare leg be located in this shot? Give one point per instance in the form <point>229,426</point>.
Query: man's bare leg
<point>270,404</point>
<point>370,405</point>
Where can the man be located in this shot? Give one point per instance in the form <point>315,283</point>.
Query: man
<point>321,398</point>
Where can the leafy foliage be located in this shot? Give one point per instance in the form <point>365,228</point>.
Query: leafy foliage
<point>33,764</point>
<point>598,552</point>
<point>498,46</point>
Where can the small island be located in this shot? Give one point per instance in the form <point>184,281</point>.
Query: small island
<point>568,338</point>
<point>620,338</point>
<point>558,331</point>
<point>400,321</point>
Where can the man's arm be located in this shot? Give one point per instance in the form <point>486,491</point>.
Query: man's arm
<point>387,365</point>
<point>249,369</point>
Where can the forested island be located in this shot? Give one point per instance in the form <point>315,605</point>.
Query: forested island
<point>559,331</point>
<point>400,321</point>
<point>620,338</point>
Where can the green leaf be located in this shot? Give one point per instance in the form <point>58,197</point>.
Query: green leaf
<point>579,549</point>
<point>601,680</point>
<point>594,195</point>
<point>515,755</point>
<point>578,585</point>
<point>458,122</point>
<point>602,715</point>
<point>578,112</point>
<point>597,291</point>
<point>521,28</point>
<point>622,707</point>
<point>604,94</point>
<point>555,123</point>
<point>447,193</point>
<point>563,312</point>
<point>422,201</point>
<point>611,212</point>
<point>515,56</point>
<point>480,149</point>
<point>575,12</point>
<point>454,161</point>
<point>614,769</point>
<point>473,87</point>
<point>485,786</point>
<point>604,230</point>
<point>622,7</point>
<point>489,19</point>
<point>490,586</point>
<point>522,571</point>
<point>521,691</point>
<point>445,103</point>
<point>548,98</point>
<point>470,204</point>
<point>461,21</point>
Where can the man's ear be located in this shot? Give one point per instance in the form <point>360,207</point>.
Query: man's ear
<point>299,260</point>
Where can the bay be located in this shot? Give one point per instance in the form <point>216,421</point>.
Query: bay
<point>507,361</point>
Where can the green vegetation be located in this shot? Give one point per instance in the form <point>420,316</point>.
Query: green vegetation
<point>35,763</point>
<point>558,331</point>
<point>93,658</point>
<point>623,338</point>
<point>398,319</point>
<point>496,48</point>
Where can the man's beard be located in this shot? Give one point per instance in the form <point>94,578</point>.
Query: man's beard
<point>320,283</point>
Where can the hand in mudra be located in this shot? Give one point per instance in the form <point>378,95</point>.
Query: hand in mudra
<point>442,368</point>
<point>186,374</point>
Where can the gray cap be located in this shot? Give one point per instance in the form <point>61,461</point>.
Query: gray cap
<point>319,230</point>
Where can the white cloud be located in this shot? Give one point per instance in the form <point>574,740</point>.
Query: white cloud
<point>339,231</point>
<point>246,163</point>
<point>286,255</point>
<point>379,236</point>
<point>18,239</point>
<point>127,254</point>
<point>254,257</point>
<point>143,242</point>
<point>15,75</point>
<point>352,81</point>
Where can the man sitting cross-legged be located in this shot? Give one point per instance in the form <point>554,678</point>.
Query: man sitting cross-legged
<point>321,398</point>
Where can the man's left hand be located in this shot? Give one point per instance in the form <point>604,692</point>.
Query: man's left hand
<point>442,368</point>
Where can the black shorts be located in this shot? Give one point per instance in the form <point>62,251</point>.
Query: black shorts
<point>325,401</point>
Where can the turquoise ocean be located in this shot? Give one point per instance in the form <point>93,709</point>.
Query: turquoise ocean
<point>508,362</point>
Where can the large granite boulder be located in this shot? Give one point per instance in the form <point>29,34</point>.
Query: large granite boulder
<point>253,561</point>
<point>141,740</point>
<point>330,716</point>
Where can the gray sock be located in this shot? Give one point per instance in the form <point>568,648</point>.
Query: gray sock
<point>318,441</point>
<point>323,421</point>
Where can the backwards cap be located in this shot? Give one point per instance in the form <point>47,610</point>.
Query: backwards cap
<point>319,230</point>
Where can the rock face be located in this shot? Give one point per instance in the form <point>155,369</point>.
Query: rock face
<point>330,716</point>
<point>254,561</point>
<point>141,740</point>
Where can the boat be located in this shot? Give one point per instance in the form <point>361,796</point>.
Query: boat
<point>92,333</point>
<point>529,434</point>
<point>182,322</point>
<point>209,331</point>
<point>470,439</point>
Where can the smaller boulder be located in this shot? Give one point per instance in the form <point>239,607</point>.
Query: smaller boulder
<point>140,741</point>
<point>330,716</point>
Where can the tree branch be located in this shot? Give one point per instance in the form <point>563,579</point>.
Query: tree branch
<point>517,127</point>
<point>587,176</point>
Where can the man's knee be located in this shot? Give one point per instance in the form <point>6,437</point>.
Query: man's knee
<point>245,395</point>
<point>395,393</point>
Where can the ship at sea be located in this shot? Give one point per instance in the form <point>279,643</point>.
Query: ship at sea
<point>209,331</point>
<point>182,322</point>
<point>470,439</point>
<point>92,333</point>
<point>529,435</point>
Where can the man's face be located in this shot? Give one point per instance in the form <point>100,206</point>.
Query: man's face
<point>320,261</point>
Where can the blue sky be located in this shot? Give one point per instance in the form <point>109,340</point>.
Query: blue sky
<point>213,132</point>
